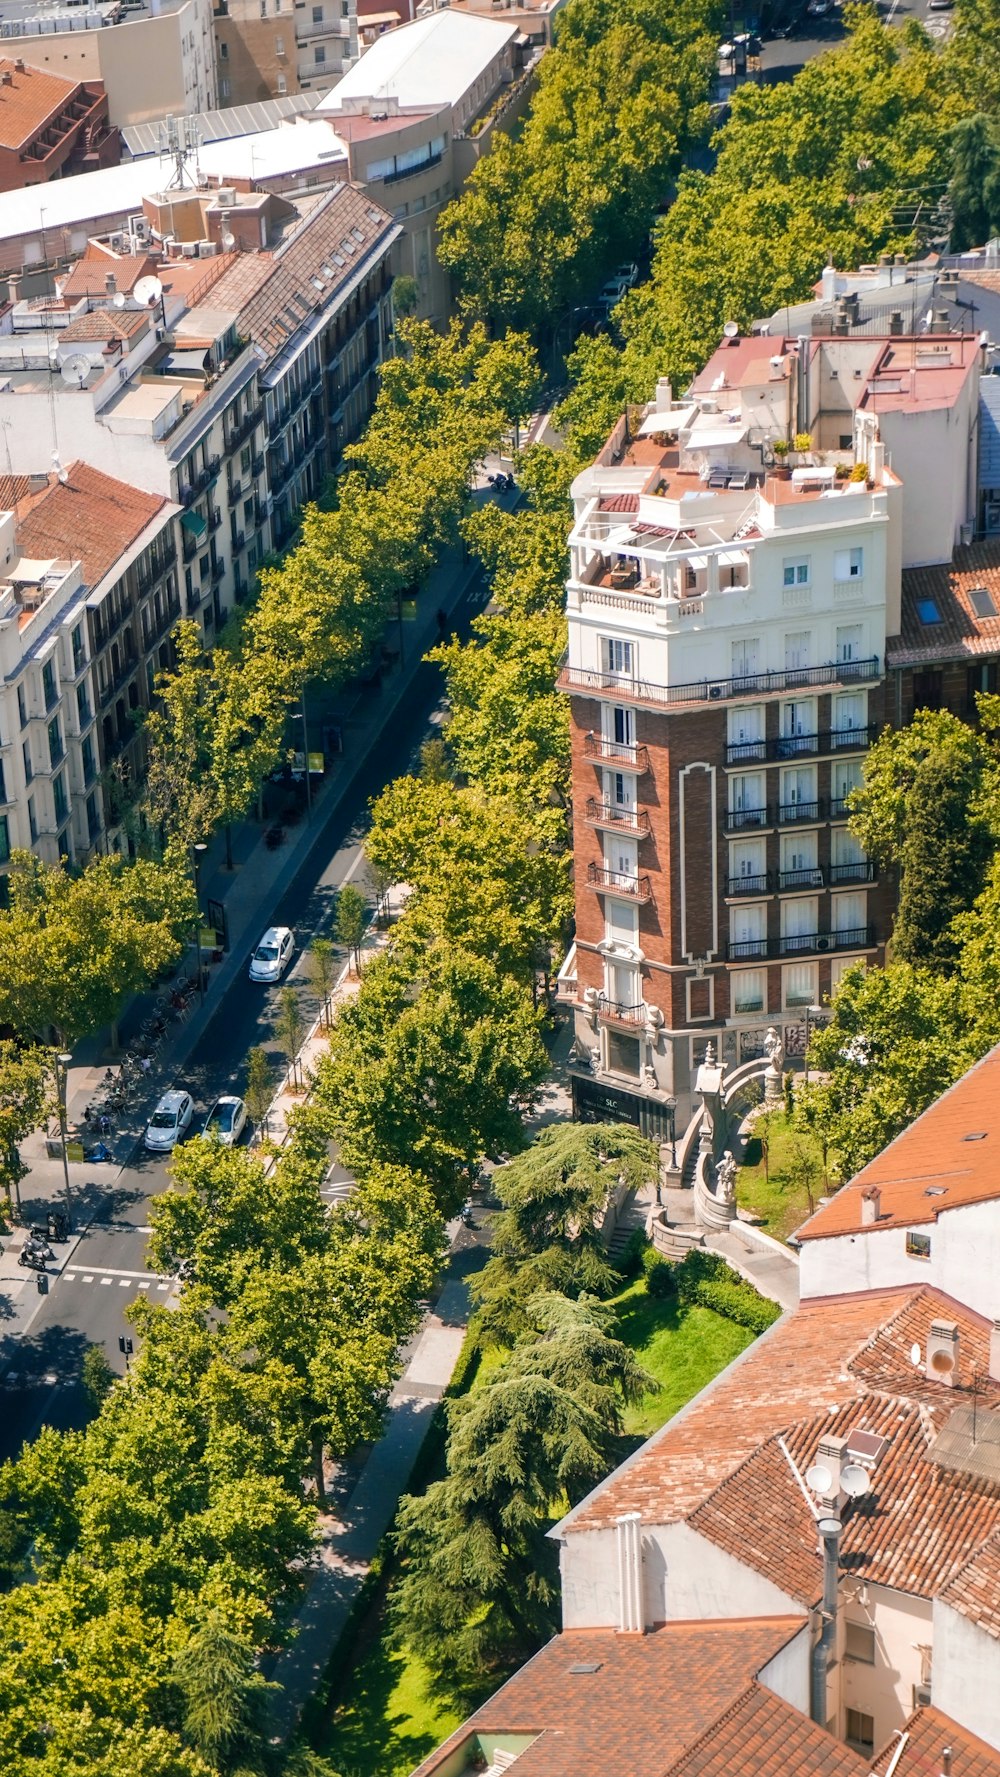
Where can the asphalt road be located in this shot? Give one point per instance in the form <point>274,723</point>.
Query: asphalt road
<point>85,1303</point>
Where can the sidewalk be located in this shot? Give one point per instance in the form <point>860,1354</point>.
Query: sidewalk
<point>248,892</point>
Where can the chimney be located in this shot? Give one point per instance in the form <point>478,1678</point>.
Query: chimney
<point>628,1532</point>
<point>870,1203</point>
<point>941,322</point>
<point>831,1452</point>
<point>942,1352</point>
<point>876,464</point>
<point>896,321</point>
<point>6,78</point>
<point>946,1761</point>
<point>110,283</point>
<point>664,394</point>
<point>994,1363</point>
<point>829,283</point>
<point>884,278</point>
<point>19,66</point>
<point>14,287</point>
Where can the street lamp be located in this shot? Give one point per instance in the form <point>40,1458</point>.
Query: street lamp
<point>300,716</point>
<point>812,1014</point>
<point>197,853</point>
<point>62,1081</point>
<point>670,1106</point>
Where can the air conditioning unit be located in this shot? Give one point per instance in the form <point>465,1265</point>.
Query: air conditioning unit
<point>921,1696</point>
<point>190,249</point>
<point>206,249</point>
<point>139,229</point>
<point>822,944</point>
<point>717,691</point>
<point>967,532</point>
<point>117,243</point>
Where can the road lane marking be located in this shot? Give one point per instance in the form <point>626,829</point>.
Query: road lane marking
<point>163,1286</point>
<point>123,1283</point>
<point>145,1284</point>
<point>89,1277</point>
<point>107,1281</point>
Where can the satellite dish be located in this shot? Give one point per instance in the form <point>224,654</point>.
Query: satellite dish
<point>120,299</point>
<point>819,1478</point>
<point>730,330</point>
<point>854,1480</point>
<point>228,241</point>
<point>76,370</point>
<point>915,1355</point>
<point>148,292</point>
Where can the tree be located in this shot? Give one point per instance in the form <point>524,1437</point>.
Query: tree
<point>350,921</point>
<point>74,948</point>
<point>98,1376</point>
<point>975,181</point>
<point>24,1082</point>
<point>259,1089</point>
<point>223,1694</point>
<point>180,797</point>
<point>549,1233</point>
<point>289,1028</point>
<point>405,297</point>
<point>426,1067</point>
<point>321,962</point>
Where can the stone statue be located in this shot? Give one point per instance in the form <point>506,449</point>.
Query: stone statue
<point>725,1178</point>
<point>774,1049</point>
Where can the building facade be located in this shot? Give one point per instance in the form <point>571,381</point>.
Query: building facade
<point>266,48</point>
<point>51,128</point>
<point>152,64</point>
<point>729,604</point>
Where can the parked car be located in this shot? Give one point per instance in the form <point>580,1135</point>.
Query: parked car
<point>226,1121</point>
<point>169,1121</point>
<point>272,955</point>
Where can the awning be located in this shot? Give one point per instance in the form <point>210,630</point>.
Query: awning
<point>717,437</point>
<point>677,421</point>
<point>193,522</point>
<point>732,558</point>
<point>697,561</point>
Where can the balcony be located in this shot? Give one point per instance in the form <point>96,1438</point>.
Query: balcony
<point>747,820</point>
<point>615,882</point>
<point>614,752</point>
<point>811,878</point>
<point>793,746</point>
<point>647,693</point>
<point>617,1012</point>
<point>242,430</point>
<point>800,944</point>
<point>148,579</point>
<point>860,870</point>
<point>749,885</point>
<point>256,466</point>
<point>214,518</point>
<point>791,814</point>
<point>159,625</point>
<point>839,810</point>
<point>615,819</point>
<point>238,541</point>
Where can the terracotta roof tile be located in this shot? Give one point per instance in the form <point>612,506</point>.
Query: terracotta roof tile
<point>975,1589</point>
<point>933,1154</point>
<point>961,633</point>
<point>90,518</point>
<point>89,276</point>
<point>31,99</point>
<point>763,1736</point>
<point>649,1699</point>
<point>99,325</point>
<point>619,503</point>
<point>927,1733</point>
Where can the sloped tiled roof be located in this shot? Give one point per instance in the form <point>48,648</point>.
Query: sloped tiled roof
<point>810,1365</point>
<point>89,276</point>
<point>103,324</point>
<point>598,1702</point>
<point>90,518</point>
<point>26,105</point>
<point>975,1590</point>
<point>952,1150</point>
<point>765,1737</point>
<point>284,289</point>
<point>927,1734</point>
<point>960,634</point>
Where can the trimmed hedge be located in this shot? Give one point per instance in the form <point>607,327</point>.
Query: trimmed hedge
<point>706,1278</point>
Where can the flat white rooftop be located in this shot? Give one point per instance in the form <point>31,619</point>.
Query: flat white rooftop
<point>434,61</point>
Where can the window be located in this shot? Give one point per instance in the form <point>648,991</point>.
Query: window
<point>839,967</point>
<point>748,930</point>
<point>746,792</point>
<point>224,87</point>
<point>319,54</point>
<point>32,822</point>
<point>55,742</point>
<point>981,600</point>
<point>624,1054</point>
<point>3,785</point>
<point>59,798</point>
<point>849,913</point>
<point>93,818</point>
<point>29,770</point>
<point>622,983</point>
<point>849,713</point>
<point>848,564</point>
<point>746,732</point>
<point>799,985</point>
<point>850,641</point>
<point>282,83</point>
<point>21,706</point>
<point>87,758</point>
<point>747,862</point>
<point>798,790</point>
<point>4,840</point>
<point>798,726</point>
<point>748,987</point>
<point>224,52</point>
<point>860,1730</point>
<point>859,1642</point>
<point>621,859</point>
<point>798,855</point>
<point>844,848</point>
<point>79,651</point>
<point>799,923</point>
<point>745,658</point>
<point>317,15</point>
<point>798,648</point>
<point>49,684</point>
<point>796,573</point>
<point>845,776</point>
<point>928,612</point>
<point>918,1245</point>
<point>617,656</point>
<point>619,789</point>
<point>82,705</point>
<point>621,923</point>
<point>621,726</point>
<point>928,690</point>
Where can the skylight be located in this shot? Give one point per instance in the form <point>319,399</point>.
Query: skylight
<point>981,600</point>
<point>928,612</point>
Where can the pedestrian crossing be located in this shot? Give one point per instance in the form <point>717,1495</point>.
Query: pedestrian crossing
<point>106,1277</point>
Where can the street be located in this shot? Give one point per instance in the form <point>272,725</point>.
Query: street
<point>40,1365</point>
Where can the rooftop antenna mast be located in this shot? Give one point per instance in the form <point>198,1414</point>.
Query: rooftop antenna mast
<point>180,141</point>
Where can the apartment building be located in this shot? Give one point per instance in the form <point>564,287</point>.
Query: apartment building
<point>266,48</point>
<point>88,595</point>
<point>416,114</point>
<point>151,63</point>
<point>729,602</point>
<point>50,127</point>
<point>837,1487</point>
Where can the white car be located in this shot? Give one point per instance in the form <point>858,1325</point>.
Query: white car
<point>170,1119</point>
<point>226,1121</point>
<point>272,955</point>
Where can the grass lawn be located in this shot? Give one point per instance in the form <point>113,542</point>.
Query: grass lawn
<point>682,1347</point>
<point>387,1722</point>
<point>782,1199</point>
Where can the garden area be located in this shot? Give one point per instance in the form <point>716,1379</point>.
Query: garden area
<point>782,1176</point>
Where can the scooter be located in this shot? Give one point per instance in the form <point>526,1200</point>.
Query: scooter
<point>29,1256</point>
<point>100,1152</point>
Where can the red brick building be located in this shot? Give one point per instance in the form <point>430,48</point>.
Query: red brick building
<point>51,127</point>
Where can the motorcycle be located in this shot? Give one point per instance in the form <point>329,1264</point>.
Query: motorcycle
<point>100,1152</point>
<point>28,1256</point>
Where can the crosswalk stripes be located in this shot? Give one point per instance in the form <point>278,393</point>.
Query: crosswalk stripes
<point>142,1280</point>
